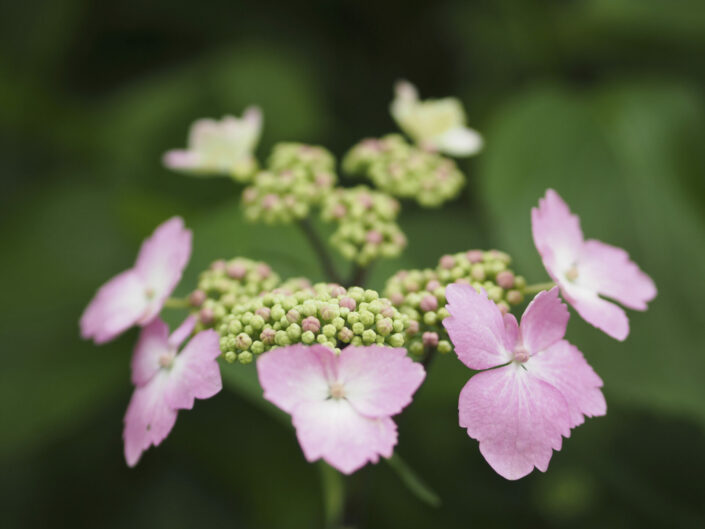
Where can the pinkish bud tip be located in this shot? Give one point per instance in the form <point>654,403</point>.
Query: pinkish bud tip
<point>432,285</point>
<point>206,316</point>
<point>311,324</point>
<point>236,270</point>
<point>429,303</point>
<point>196,298</point>
<point>475,256</point>
<point>430,339</point>
<point>348,303</point>
<point>264,312</point>
<point>447,262</point>
<point>374,237</point>
<point>505,279</point>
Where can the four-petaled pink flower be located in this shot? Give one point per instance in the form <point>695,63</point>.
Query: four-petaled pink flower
<point>136,296</point>
<point>341,404</point>
<point>587,269</point>
<point>535,387</point>
<point>167,381</point>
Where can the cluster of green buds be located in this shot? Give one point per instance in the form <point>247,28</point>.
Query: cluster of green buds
<point>327,314</point>
<point>297,177</point>
<point>226,284</point>
<point>405,171</point>
<point>420,294</point>
<point>367,228</point>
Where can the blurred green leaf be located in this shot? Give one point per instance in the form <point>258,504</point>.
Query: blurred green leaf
<point>616,156</point>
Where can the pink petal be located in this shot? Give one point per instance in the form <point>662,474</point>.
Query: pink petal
<point>604,315</point>
<point>557,234</point>
<point>544,321</point>
<point>182,332</point>
<point>162,259</point>
<point>148,420</point>
<point>295,374</point>
<point>181,160</point>
<point>151,345</point>
<point>118,305</point>
<point>195,373</point>
<point>379,381</point>
<point>476,328</point>
<point>608,270</point>
<point>563,366</point>
<point>517,418</point>
<point>332,429</point>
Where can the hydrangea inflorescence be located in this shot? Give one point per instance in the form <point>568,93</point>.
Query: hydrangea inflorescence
<point>297,177</point>
<point>421,294</point>
<point>343,360</point>
<point>366,219</point>
<point>405,171</point>
<point>327,314</point>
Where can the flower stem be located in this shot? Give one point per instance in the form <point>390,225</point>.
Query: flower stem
<point>413,482</point>
<point>333,496</point>
<point>320,249</point>
<point>177,303</point>
<point>359,275</point>
<point>538,287</point>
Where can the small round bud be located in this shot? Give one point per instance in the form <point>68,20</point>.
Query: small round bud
<point>447,262</point>
<point>348,303</point>
<point>281,338</point>
<point>358,328</point>
<point>503,307</point>
<point>257,347</point>
<point>444,347</point>
<point>367,318</point>
<point>369,336</point>
<point>345,335</point>
<point>432,285</point>
<point>428,303</point>
<point>236,270</point>
<point>243,341</point>
<point>257,322</point>
<point>218,266</point>
<point>196,298</point>
<point>245,357</point>
<point>308,337</point>
<point>413,328</point>
<point>397,298</point>
<point>430,318</point>
<point>430,339</point>
<point>329,330</point>
<point>505,279</point>
<point>477,272</point>
<point>294,331</point>
<point>311,324</point>
<point>385,326</point>
<point>475,256</point>
<point>396,340</point>
<point>514,297</point>
<point>277,312</point>
<point>374,237</point>
<point>293,316</point>
<point>230,357</point>
<point>206,316</point>
<point>264,312</point>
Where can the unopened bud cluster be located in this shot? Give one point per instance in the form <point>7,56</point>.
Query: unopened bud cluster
<point>297,177</point>
<point>326,314</point>
<point>226,284</point>
<point>405,171</point>
<point>420,294</point>
<point>367,228</point>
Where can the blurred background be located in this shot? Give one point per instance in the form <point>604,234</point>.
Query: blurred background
<point>604,100</point>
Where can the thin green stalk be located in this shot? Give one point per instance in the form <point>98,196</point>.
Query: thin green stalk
<point>333,486</point>
<point>538,287</point>
<point>320,249</point>
<point>413,482</point>
<point>177,303</point>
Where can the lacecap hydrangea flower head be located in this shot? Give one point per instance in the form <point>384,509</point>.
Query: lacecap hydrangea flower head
<point>588,269</point>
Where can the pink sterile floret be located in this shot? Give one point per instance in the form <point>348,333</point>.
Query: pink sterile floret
<point>519,412</point>
<point>586,269</point>
<point>136,296</point>
<point>341,404</point>
<point>167,381</point>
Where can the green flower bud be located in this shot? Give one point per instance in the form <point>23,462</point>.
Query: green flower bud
<point>444,347</point>
<point>230,357</point>
<point>308,337</point>
<point>245,357</point>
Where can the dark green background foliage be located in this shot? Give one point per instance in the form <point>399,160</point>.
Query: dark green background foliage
<point>601,99</point>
